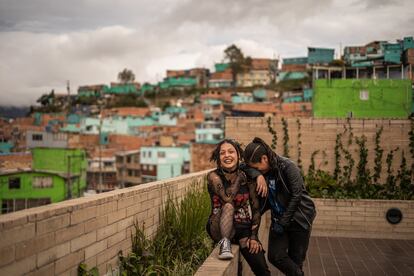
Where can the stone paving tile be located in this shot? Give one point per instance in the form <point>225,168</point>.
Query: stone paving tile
<point>331,256</point>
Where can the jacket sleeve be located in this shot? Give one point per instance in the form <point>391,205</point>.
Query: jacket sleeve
<point>255,207</point>
<point>250,172</point>
<point>293,181</point>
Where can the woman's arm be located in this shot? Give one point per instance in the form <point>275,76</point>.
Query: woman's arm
<point>215,186</point>
<point>254,174</point>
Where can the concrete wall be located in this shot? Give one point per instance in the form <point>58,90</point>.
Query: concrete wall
<point>320,134</point>
<point>56,238</point>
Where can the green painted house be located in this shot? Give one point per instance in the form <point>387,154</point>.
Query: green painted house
<point>31,188</point>
<point>362,98</point>
<point>56,174</point>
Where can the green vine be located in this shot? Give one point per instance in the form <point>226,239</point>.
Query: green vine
<point>338,147</point>
<point>350,162</point>
<point>349,129</point>
<point>391,179</point>
<point>299,145</point>
<point>378,156</point>
<point>404,177</point>
<point>411,144</point>
<point>272,132</point>
<point>311,169</point>
<point>363,175</point>
<point>285,138</point>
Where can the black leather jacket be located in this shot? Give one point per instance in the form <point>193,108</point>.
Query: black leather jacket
<point>293,195</point>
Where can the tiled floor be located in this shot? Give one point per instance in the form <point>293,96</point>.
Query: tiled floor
<point>351,256</point>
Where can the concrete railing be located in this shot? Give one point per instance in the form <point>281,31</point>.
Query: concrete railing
<point>54,239</point>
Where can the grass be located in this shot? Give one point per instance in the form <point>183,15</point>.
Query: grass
<point>181,244</point>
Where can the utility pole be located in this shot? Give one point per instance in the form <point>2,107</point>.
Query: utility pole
<point>100,149</point>
<point>68,89</point>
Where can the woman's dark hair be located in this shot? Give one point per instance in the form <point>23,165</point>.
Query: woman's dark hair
<point>215,155</point>
<point>256,149</point>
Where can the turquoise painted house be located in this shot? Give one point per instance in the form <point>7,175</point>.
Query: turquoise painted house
<point>164,162</point>
<point>239,98</point>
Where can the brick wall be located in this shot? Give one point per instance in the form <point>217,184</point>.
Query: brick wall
<point>55,239</point>
<point>200,157</point>
<point>320,134</point>
<point>363,219</point>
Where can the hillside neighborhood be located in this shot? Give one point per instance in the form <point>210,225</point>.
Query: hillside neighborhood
<point>112,136</point>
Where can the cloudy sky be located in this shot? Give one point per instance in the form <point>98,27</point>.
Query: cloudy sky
<point>44,43</point>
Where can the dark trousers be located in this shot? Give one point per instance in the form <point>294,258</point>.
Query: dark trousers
<point>257,262</point>
<point>287,251</point>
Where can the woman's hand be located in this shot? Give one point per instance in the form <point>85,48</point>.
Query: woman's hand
<point>261,186</point>
<point>254,246</point>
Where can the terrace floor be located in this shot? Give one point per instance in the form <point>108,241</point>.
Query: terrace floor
<point>331,256</point>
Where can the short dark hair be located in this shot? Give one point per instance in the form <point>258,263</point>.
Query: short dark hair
<point>215,155</point>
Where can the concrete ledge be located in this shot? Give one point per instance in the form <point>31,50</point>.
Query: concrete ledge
<point>214,266</point>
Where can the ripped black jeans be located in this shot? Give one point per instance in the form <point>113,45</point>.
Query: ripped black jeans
<point>287,251</point>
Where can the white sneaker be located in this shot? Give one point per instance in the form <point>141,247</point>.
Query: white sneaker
<point>225,249</point>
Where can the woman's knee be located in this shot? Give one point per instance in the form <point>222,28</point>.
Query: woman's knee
<point>228,207</point>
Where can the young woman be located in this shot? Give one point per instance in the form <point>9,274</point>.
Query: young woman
<point>292,209</point>
<point>235,213</point>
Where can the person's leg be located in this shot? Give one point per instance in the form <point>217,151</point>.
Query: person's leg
<point>226,220</point>
<point>257,262</point>
<point>298,243</point>
<point>278,254</point>
<point>226,231</point>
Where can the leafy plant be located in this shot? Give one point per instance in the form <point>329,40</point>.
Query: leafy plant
<point>338,147</point>
<point>272,132</point>
<point>285,138</point>
<point>84,271</point>
<point>378,156</point>
<point>299,145</point>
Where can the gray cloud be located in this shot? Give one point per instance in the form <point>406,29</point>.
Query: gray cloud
<point>44,43</point>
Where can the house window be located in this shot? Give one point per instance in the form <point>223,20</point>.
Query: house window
<point>144,167</point>
<point>150,167</point>
<point>130,173</point>
<point>149,154</point>
<point>107,164</point>
<point>161,154</point>
<point>14,183</point>
<point>37,137</point>
<point>42,182</point>
<point>129,159</point>
<point>144,154</point>
<point>364,95</point>
<point>136,158</point>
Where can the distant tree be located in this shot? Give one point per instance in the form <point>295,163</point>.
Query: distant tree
<point>237,61</point>
<point>126,76</point>
<point>47,99</point>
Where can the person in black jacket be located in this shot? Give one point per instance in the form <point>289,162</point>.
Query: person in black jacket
<point>292,209</point>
